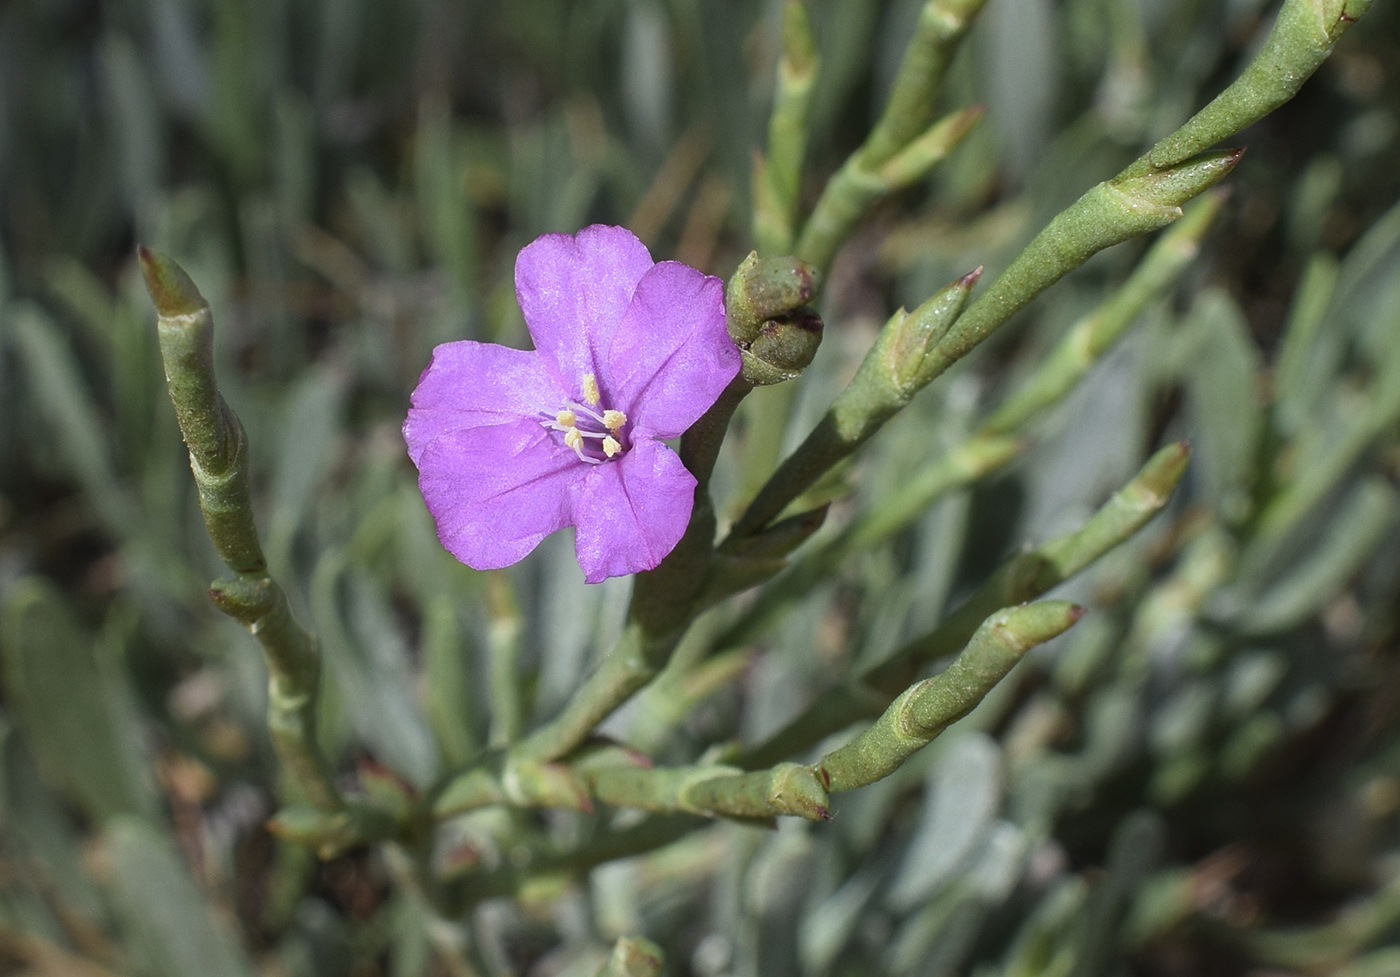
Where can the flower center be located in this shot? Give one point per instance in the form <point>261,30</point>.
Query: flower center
<point>593,431</point>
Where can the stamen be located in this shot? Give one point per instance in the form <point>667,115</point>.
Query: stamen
<point>574,439</point>
<point>568,418</point>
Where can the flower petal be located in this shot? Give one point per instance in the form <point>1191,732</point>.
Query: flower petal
<point>672,357</point>
<point>574,291</point>
<point>632,512</point>
<point>470,385</point>
<point>496,491</point>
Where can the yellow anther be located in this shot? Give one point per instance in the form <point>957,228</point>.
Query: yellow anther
<point>590,390</point>
<point>566,418</point>
<point>574,439</point>
<point>614,419</point>
<point>610,446</point>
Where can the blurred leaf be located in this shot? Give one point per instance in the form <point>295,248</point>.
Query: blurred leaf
<point>40,834</point>
<point>445,209</point>
<point>448,685</point>
<point>368,659</point>
<point>54,381</point>
<point>1362,522</point>
<point>964,794</point>
<point>137,123</point>
<point>68,706</point>
<point>309,432</point>
<point>1307,362</point>
<point>164,912</point>
<point>1222,367</point>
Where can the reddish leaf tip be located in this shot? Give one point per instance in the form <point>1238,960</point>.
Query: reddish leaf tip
<point>172,290</point>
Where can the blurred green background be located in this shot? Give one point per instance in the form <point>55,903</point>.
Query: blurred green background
<point>1203,778</point>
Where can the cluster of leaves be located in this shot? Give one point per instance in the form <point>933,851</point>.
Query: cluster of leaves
<point>1199,778</point>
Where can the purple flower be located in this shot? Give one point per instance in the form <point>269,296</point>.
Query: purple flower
<point>513,444</point>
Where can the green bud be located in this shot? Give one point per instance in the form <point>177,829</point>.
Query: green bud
<point>546,785</point>
<point>467,791</point>
<point>781,348</point>
<point>634,956</point>
<point>909,337</point>
<point>246,601</point>
<point>766,288</point>
<point>799,47</point>
<point>1166,190</point>
<point>330,833</point>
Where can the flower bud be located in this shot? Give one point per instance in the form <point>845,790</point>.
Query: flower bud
<point>766,288</point>
<point>781,348</point>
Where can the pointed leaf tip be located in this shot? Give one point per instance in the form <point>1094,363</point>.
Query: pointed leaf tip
<point>172,290</point>
<point>1075,612</point>
<point>970,279</point>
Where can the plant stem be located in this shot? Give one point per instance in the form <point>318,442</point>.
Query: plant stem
<point>889,376</point>
<point>1025,577</point>
<point>1303,36</point>
<point>859,182</point>
<point>777,179</point>
<point>929,707</point>
<point>503,658</point>
<point>793,789</point>
<point>218,451</point>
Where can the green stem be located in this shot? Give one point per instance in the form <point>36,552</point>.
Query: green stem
<point>942,25</point>
<point>787,788</point>
<point>860,181</point>
<point>531,862</point>
<point>1092,336</point>
<point>218,451</point>
<point>503,661</point>
<point>889,376</point>
<point>1107,214</point>
<point>929,707</point>
<point>1303,36</point>
<point>777,179</point>
<point>1024,578</point>
<point>633,661</point>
